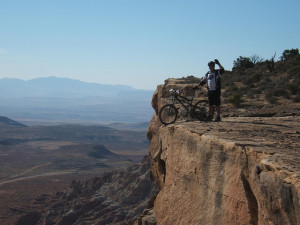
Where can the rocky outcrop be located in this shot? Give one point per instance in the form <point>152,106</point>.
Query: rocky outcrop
<point>243,170</point>
<point>117,197</point>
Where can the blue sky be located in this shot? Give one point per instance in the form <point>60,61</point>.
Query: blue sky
<point>139,42</point>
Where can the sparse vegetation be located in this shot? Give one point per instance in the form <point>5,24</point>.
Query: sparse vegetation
<point>297,98</point>
<point>269,80</point>
<point>191,79</point>
<point>242,63</point>
<point>256,59</point>
<point>271,63</point>
<point>293,88</point>
<point>235,100</point>
<point>289,53</point>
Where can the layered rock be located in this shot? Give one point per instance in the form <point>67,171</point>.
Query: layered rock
<point>117,197</point>
<point>243,170</point>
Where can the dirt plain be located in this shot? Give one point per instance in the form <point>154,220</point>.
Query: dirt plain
<point>36,161</point>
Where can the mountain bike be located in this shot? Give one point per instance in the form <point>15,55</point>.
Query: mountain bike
<point>168,114</point>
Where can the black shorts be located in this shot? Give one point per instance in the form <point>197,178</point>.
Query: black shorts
<point>214,97</point>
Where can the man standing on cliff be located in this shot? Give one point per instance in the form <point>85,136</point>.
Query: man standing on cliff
<point>213,80</point>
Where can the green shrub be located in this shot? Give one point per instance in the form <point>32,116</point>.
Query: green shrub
<point>280,92</point>
<point>270,97</point>
<point>242,63</point>
<point>235,100</point>
<point>252,86</point>
<point>297,98</point>
<point>233,88</point>
<point>230,90</point>
<point>293,88</point>
<point>254,91</point>
<point>252,80</point>
<point>288,53</point>
<point>294,71</point>
<point>268,79</point>
<point>256,77</point>
<point>272,100</point>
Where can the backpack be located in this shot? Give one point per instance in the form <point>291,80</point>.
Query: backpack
<point>218,80</point>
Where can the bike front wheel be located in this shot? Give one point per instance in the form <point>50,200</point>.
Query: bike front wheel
<point>168,114</point>
<point>200,110</point>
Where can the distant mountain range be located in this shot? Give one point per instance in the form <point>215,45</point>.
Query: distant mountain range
<point>64,87</point>
<point>62,100</point>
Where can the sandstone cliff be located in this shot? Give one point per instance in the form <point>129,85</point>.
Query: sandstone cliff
<point>243,170</point>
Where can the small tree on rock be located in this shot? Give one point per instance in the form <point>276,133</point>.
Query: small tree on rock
<point>288,53</point>
<point>242,63</point>
<point>271,63</point>
<point>256,59</point>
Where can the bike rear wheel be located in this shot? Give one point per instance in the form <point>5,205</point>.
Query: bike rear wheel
<point>168,114</point>
<point>200,110</point>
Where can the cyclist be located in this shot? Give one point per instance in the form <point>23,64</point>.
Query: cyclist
<point>213,80</point>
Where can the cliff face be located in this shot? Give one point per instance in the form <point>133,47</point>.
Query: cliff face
<point>243,170</point>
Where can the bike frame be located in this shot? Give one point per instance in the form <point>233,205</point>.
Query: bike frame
<point>169,113</point>
<point>183,100</point>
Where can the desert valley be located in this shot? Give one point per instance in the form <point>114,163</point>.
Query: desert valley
<point>241,170</point>
<point>39,160</point>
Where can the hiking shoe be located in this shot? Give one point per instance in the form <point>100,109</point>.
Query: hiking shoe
<point>208,119</point>
<point>218,119</point>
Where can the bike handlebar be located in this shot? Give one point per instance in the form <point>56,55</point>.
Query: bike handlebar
<point>175,90</point>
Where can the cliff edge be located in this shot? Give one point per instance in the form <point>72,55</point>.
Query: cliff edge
<point>243,170</point>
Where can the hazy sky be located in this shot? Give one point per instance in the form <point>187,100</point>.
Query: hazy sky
<point>139,42</point>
